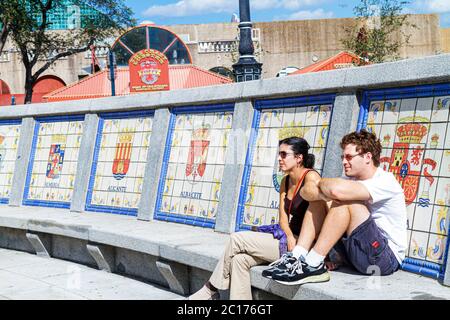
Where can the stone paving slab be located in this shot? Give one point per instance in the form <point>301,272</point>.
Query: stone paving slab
<point>29,277</point>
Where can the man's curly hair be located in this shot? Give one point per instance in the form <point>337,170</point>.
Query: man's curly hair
<point>365,142</point>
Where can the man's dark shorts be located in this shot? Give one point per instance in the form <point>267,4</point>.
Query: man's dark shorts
<point>366,248</point>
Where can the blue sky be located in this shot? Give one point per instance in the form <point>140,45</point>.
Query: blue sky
<point>166,12</point>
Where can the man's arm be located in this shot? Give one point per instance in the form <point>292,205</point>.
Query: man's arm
<point>310,191</point>
<point>343,190</point>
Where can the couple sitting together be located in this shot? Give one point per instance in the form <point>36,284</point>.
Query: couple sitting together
<point>361,216</point>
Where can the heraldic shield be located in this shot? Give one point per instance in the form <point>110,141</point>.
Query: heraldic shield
<point>407,159</point>
<point>55,161</point>
<point>122,156</point>
<point>198,153</point>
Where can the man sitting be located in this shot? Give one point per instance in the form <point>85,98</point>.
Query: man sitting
<point>367,215</point>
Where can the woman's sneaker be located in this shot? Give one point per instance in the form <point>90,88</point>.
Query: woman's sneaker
<point>301,273</point>
<point>281,265</point>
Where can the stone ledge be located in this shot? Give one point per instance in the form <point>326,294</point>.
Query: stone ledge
<point>201,248</point>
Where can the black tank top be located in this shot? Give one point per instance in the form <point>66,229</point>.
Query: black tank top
<point>298,210</point>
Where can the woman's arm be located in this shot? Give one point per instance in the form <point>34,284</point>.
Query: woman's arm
<point>283,218</point>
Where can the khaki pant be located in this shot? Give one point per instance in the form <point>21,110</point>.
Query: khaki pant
<point>244,250</point>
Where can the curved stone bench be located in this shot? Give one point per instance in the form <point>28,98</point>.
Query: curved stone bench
<point>177,256</point>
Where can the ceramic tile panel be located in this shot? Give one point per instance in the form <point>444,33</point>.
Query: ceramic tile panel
<point>9,140</point>
<point>436,248</point>
<point>197,153</point>
<point>407,108</point>
<point>440,109</point>
<point>391,111</point>
<point>50,181</point>
<point>419,245</point>
<point>121,156</point>
<point>262,196</point>
<point>416,148</point>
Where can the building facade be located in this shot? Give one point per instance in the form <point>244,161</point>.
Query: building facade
<point>278,45</point>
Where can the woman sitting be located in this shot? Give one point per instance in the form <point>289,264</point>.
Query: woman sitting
<point>248,248</point>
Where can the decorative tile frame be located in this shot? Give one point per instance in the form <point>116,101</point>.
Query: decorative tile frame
<point>418,119</point>
<point>9,134</point>
<point>306,118</point>
<point>213,183</point>
<point>74,123</point>
<point>127,202</point>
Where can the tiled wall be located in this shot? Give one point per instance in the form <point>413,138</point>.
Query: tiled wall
<point>9,140</point>
<point>279,119</point>
<point>53,164</point>
<point>194,165</point>
<point>119,163</point>
<point>415,134</point>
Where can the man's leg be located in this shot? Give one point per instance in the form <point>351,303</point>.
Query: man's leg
<point>341,219</point>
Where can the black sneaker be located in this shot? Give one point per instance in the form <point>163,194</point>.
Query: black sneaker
<point>281,265</point>
<point>301,273</point>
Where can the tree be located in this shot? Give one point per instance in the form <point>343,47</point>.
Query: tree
<point>5,6</point>
<point>378,32</point>
<point>30,29</point>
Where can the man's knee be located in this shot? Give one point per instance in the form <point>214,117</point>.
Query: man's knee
<point>350,206</point>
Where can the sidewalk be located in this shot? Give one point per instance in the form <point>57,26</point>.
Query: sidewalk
<point>199,248</point>
<point>25,276</point>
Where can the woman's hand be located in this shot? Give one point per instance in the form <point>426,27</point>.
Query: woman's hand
<point>291,243</point>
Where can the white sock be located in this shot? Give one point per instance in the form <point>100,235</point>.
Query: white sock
<point>299,251</point>
<point>314,259</point>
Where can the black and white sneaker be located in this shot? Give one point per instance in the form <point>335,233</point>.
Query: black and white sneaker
<point>279,266</point>
<point>301,273</point>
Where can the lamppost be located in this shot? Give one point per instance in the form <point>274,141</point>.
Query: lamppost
<point>112,74</point>
<point>247,68</point>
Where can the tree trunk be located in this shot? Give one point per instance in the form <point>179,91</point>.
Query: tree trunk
<point>29,82</point>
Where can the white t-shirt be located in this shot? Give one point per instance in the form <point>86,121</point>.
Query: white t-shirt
<point>388,209</point>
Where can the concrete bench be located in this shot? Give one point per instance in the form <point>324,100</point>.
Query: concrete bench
<point>177,256</point>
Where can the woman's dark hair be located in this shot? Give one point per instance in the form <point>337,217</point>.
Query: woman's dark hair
<point>300,146</point>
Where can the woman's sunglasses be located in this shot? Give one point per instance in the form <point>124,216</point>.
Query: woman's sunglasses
<point>284,154</point>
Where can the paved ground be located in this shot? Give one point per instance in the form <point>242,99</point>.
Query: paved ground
<point>25,276</point>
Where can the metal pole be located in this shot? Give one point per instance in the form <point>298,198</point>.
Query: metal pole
<point>247,68</point>
<point>111,73</point>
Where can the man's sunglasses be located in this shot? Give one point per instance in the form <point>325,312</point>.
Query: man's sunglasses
<point>350,157</point>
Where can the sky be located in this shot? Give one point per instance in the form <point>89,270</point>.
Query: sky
<point>167,12</point>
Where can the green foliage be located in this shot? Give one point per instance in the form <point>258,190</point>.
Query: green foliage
<point>30,24</point>
<point>379,30</point>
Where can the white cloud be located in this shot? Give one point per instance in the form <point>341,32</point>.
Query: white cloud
<point>297,4</point>
<point>309,15</point>
<point>263,4</point>
<point>190,8</point>
<point>199,7</point>
<point>437,6</point>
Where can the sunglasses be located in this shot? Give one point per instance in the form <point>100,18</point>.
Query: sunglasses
<point>350,157</point>
<point>284,154</point>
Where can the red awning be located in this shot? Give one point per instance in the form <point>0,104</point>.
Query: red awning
<point>98,85</point>
<point>341,60</point>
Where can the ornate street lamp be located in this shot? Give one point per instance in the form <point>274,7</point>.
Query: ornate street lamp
<point>247,68</point>
<point>112,74</point>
